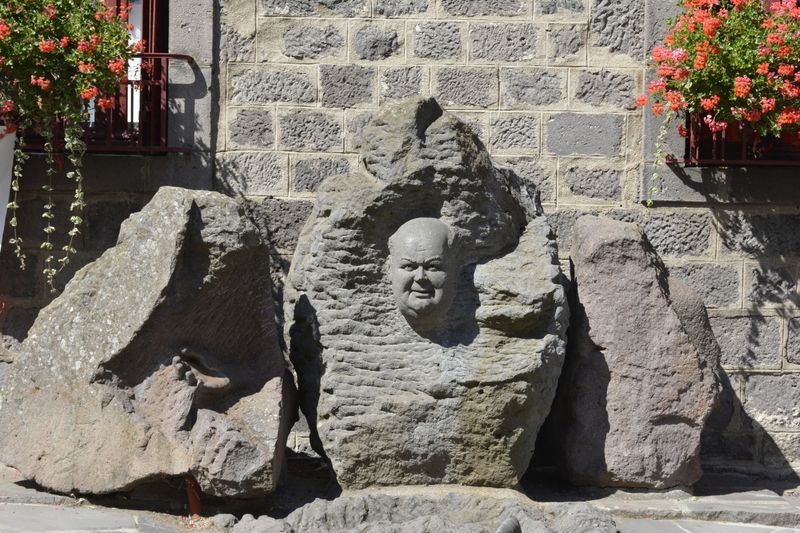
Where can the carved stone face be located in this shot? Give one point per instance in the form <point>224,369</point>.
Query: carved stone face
<point>423,271</point>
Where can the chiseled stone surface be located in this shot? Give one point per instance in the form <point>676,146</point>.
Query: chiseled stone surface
<point>503,42</point>
<point>749,341</point>
<point>641,376</point>
<point>460,401</point>
<point>601,183</point>
<point>374,43</point>
<point>437,40</point>
<point>476,8</point>
<point>399,8</point>
<point>160,359</point>
<point>619,26</point>
<point>524,87</point>
<point>346,85</point>
<point>401,82</point>
<point>607,88</point>
<point>467,86</point>
<point>444,509</point>
<point>312,42</point>
<point>261,85</point>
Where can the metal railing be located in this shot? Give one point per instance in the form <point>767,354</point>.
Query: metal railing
<point>737,145</point>
<point>138,121</point>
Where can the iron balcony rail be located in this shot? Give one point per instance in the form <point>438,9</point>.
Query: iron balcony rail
<point>138,121</point>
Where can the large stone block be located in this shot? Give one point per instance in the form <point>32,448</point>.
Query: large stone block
<point>618,25</point>
<point>606,88</point>
<point>585,134</point>
<point>263,85</point>
<point>598,183</point>
<point>346,85</point>
<point>378,42</point>
<point>641,376</point>
<point>400,8</point>
<point>429,314</point>
<point>515,133</point>
<point>522,88</point>
<point>749,341</point>
<point>308,173</point>
<point>438,40</point>
<point>478,8</point>
<point>491,42</point>
<point>401,82</point>
<point>251,127</point>
<point>303,130</point>
<point>251,173</point>
<point>717,284</point>
<point>472,87</point>
<point>159,361</point>
<point>760,235</point>
<point>774,401</point>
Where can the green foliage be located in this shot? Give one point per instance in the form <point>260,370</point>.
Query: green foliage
<point>57,56</point>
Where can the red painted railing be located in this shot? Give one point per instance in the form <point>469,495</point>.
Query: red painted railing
<point>738,145</point>
<point>138,123</point>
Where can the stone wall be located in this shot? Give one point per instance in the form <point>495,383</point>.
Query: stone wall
<point>549,85</point>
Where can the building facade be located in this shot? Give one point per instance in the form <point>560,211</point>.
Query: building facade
<point>280,90</point>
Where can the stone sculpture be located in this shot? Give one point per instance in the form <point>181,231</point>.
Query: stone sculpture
<point>428,310</point>
<point>424,268</point>
<point>159,360</point>
<point>641,376</point>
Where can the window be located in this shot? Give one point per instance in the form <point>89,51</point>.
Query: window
<point>138,123</point>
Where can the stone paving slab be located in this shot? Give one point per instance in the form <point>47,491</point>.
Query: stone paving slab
<point>30,518</point>
<point>629,525</point>
<point>761,507</point>
<point>26,510</point>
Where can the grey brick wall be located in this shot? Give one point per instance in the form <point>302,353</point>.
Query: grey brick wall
<point>549,86</point>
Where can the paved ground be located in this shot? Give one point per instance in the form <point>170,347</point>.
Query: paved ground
<point>24,510</point>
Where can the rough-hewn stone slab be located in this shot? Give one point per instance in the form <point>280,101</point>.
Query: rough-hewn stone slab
<point>159,360</point>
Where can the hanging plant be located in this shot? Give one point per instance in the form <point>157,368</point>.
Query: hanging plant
<point>57,58</point>
<point>731,61</point>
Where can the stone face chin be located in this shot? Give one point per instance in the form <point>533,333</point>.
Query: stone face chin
<point>440,369</point>
<point>159,359</point>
